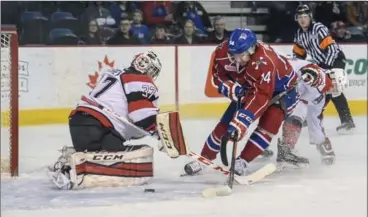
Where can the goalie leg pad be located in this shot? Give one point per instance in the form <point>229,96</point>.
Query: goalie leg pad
<point>112,169</point>
<point>171,134</point>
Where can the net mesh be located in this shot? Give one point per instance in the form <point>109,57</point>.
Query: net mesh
<point>6,68</point>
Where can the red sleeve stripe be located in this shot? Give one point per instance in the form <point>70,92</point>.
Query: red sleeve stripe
<point>139,104</point>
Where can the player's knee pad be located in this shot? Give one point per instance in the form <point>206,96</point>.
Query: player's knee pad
<point>112,169</point>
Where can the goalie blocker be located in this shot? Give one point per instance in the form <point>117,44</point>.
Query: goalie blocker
<point>99,167</point>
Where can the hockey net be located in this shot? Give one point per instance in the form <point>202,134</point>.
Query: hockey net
<point>9,101</point>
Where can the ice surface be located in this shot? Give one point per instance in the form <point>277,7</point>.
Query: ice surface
<point>335,191</point>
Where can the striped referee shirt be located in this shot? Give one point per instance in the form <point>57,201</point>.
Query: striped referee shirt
<point>317,42</point>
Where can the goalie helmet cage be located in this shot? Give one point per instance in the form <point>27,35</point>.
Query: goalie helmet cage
<point>9,101</point>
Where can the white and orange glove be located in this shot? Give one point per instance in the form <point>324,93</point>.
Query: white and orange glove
<point>231,90</point>
<point>239,124</point>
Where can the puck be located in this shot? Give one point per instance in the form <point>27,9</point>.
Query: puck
<point>149,190</point>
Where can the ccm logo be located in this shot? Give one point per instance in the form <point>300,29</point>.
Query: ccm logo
<point>108,157</point>
<point>165,137</point>
<point>246,117</point>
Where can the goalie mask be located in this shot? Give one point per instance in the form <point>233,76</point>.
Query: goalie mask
<point>147,63</point>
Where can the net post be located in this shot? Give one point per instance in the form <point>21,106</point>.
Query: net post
<point>14,102</point>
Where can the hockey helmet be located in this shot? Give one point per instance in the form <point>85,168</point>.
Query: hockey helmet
<point>241,40</point>
<point>147,63</point>
<point>303,10</point>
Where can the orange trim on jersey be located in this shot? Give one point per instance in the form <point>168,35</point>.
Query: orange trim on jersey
<point>99,116</point>
<point>326,42</point>
<point>210,90</point>
<point>298,50</point>
<point>139,104</point>
<point>120,169</point>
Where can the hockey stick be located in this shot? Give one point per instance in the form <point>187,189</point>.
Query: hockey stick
<point>223,152</point>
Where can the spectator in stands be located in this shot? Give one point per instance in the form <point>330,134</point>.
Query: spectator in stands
<point>328,12</point>
<point>96,11</point>
<point>341,34</point>
<point>93,36</point>
<point>139,30</point>
<point>281,25</point>
<point>122,9</point>
<point>357,16</point>
<point>124,36</point>
<point>195,12</point>
<point>160,35</point>
<point>219,34</point>
<point>188,36</point>
<point>156,12</point>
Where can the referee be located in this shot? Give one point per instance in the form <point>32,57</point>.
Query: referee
<point>313,38</point>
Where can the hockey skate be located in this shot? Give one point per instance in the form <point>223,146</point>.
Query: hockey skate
<point>326,151</point>
<point>193,168</point>
<point>59,172</point>
<point>288,157</point>
<point>267,153</point>
<point>346,128</point>
<point>240,167</point>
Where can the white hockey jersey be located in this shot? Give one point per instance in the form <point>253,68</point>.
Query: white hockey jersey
<point>131,95</point>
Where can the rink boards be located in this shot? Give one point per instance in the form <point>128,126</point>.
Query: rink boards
<point>52,79</point>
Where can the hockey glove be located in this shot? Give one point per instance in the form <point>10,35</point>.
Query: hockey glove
<point>240,123</point>
<point>231,90</point>
<point>339,81</point>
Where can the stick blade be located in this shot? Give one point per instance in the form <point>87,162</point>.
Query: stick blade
<point>223,151</point>
<point>217,191</point>
<point>257,176</point>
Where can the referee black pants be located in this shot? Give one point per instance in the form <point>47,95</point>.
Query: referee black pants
<point>340,102</point>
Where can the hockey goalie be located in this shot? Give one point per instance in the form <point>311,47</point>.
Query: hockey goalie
<point>100,155</point>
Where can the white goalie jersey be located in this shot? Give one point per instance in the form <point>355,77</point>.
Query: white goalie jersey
<point>129,94</point>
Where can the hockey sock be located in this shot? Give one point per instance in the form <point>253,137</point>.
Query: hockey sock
<point>212,145</point>
<point>291,131</point>
<point>257,143</point>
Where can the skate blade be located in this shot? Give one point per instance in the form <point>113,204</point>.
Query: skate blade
<point>283,165</point>
<point>346,132</point>
<point>328,160</point>
<point>217,191</point>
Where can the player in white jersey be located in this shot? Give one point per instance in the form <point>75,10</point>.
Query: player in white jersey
<point>100,155</point>
<point>315,83</point>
